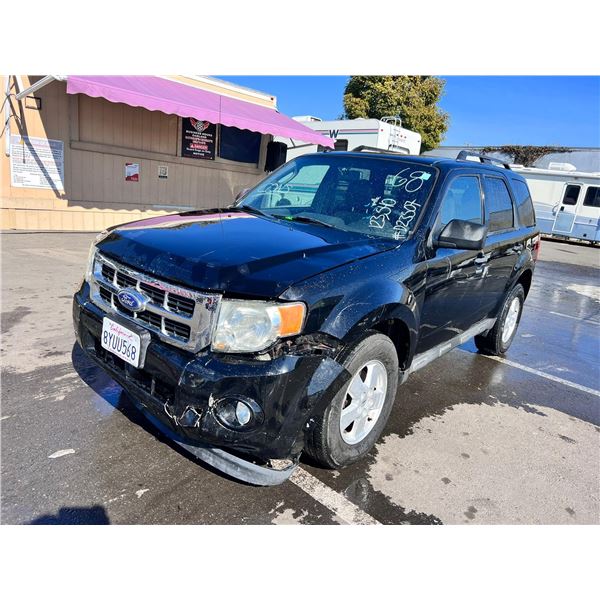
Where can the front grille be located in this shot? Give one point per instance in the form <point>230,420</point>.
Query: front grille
<point>180,304</point>
<point>175,328</point>
<point>125,281</point>
<point>180,316</point>
<point>157,296</point>
<point>108,272</point>
<point>106,294</point>
<point>151,318</point>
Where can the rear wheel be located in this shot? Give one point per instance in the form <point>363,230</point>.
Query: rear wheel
<point>498,339</point>
<point>349,427</point>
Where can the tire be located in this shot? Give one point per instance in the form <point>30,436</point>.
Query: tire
<point>498,339</point>
<point>372,359</point>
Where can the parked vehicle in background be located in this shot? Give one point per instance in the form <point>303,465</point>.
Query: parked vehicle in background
<point>566,202</point>
<point>385,134</point>
<point>283,324</point>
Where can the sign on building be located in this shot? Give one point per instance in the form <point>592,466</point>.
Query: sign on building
<point>37,163</point>
<point>132,171</point>
<point>198,138</point>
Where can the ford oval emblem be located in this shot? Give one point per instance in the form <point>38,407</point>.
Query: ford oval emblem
<point>132,300</point>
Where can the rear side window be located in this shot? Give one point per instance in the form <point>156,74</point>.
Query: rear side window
<point>592,197</point>
<point>524,203</point>
<point>571,195</point>
<point>462,200</point>
<point>499,204</point>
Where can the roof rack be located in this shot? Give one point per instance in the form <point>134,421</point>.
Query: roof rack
<point>376,150</point>
<point>464,154</point>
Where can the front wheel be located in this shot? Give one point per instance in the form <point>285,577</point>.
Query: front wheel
<point>349,427</point>
<point>498,339</point>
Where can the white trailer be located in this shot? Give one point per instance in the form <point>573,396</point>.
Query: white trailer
<point>566,202</point>
<point>386,134</point>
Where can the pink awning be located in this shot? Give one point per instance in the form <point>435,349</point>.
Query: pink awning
<point>173,98</point>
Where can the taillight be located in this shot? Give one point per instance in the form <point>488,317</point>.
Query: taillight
<point>537,242</point>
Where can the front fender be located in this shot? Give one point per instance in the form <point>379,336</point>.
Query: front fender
<point>368,305</point>
<point>349,300</point>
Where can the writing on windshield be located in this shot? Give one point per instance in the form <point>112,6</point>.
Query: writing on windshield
<point>375,196</point>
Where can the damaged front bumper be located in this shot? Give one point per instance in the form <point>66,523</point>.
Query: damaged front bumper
<point>181,392</point>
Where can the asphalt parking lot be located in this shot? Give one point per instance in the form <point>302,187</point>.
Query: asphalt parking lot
<point>471,439</point>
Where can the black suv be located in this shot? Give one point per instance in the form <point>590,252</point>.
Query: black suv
<point>285,322</point>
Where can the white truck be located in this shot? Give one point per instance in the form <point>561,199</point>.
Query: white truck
<point>385,134</point>
<point>566,201</point>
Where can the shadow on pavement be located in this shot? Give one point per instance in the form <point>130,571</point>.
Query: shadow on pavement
<point>75,515</point>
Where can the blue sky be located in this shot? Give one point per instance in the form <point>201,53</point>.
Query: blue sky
<point>561,111</point>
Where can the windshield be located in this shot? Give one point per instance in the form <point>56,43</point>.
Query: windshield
<point>370,195</point>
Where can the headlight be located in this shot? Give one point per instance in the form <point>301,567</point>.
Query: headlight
<point>90,262</point>
<point>251,326</point>
<point>92,254</point>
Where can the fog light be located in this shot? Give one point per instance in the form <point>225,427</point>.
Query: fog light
<point>243,413</point>
<point>238,413</point>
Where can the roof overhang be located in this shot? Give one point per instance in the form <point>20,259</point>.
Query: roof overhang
<point>174,98</point>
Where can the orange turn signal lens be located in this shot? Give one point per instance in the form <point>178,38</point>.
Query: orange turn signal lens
<point>292,318</point>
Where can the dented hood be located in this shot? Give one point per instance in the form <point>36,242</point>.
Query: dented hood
<point>231,250</point>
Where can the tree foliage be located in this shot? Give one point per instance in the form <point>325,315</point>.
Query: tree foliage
<point>413,98</point>
<point>525,155</point>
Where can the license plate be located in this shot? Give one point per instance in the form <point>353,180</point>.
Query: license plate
<point>121,341</point>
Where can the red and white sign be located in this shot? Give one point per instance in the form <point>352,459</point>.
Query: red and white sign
<point>132,172</point>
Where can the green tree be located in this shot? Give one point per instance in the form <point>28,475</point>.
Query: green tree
<point>413,98</point>
<point>525,155</point>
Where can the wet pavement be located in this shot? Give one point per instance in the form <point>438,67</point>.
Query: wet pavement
<point>470,439</point>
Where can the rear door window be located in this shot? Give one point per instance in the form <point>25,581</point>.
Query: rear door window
<point>524,203</point>
<point>592,197</point>
<point>498,203</point>
<point>571,195</point>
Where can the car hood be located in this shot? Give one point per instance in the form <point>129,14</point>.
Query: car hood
<point>231,250</point>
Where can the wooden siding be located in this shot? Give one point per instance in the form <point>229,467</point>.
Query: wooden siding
<point>124,126</point>
<point>99,138</point>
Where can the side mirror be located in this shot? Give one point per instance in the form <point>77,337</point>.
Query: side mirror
<point>463,235</point>
<point>240,195</point>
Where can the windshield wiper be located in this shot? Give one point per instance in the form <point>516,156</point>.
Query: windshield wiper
<point>251,209</point>
<point>300,218</point>
<point>303,219</point>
